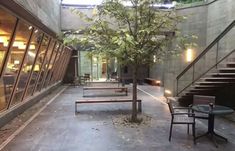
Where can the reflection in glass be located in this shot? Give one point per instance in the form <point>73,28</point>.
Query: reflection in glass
<point>64,65</point>
<point>7,23</point>
<point>51,65</point>
<point>28,65</point>
<point>38,65</point>
<point>15,59</point>
<point>56,65</point>
<point>60,64</point>
<point>45,65</point>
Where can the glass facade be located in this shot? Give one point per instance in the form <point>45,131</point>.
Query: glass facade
<point>30,60</point>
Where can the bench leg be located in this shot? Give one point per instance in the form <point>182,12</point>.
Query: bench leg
<point>126,92</point>
<point>140,106</point>
<point>76,108</point>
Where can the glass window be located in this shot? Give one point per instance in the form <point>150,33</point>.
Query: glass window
<point>51,64</point>
<point>38,65</point>
<point>7,24</point>
<point>28,65</point>
<point>59,64</point>
<point>45,65</point>
<point>56,65</point>
<point>66,60</point>
<point>15,59</point>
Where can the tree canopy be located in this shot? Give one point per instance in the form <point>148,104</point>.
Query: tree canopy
<point>136,32</point>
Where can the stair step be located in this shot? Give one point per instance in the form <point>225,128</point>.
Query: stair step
<point>222,74</point>
<point>213,82</point>
<point>227,70</point>
<point>230,64</point>
<point>206,86</point>
<point>201,92</point>
<point>219,79</point>
<point>198,90</point>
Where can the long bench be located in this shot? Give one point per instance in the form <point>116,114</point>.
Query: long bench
<point>152,81</point>
<point>122,89</point>
<point>139,104</point>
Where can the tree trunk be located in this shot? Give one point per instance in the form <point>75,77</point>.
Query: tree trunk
<point>134,97</point>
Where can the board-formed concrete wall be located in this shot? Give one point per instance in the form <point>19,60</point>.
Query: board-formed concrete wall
<point>206,21</point>
<point>47,11</point>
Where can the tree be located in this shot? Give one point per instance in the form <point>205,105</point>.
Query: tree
<point>134,31</point>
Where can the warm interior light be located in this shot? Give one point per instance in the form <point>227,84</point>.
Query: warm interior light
<point>16,62</point>
<point>36,68</point>
<point>19,44</point>
<point>36,31</point>
<point>154,58</point>
<point>32,47</point>
<point>189,55</point>
<point>31,54</point>
<point>158,82</point>
<point>167,91</point>
<point>4,40</point>
<point>30,27</point>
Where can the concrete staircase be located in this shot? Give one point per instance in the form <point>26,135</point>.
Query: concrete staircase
<point>210,84</point>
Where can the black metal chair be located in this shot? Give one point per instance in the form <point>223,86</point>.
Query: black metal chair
<point>202,99</point>
<point>181,117</point>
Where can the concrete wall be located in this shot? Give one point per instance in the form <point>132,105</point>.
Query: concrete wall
<point>206,21</point>
<point>47,11</point>
<point>70,20</point>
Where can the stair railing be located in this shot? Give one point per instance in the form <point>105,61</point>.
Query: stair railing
<point>215,53</point>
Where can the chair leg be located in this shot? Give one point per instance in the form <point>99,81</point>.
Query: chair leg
<point>170,132</point>
<point>194,137</point>
<point>188,128</point>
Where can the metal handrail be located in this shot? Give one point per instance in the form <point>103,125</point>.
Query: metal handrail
<point>217,39</point>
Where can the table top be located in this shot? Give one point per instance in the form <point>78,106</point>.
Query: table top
<point>217,109</point>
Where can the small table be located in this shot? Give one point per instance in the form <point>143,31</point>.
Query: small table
<point>216,110</point>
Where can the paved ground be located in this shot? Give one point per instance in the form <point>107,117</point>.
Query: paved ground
<point>100,127</point>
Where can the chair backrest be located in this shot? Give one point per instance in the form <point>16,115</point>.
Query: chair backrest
<point>203,99</point>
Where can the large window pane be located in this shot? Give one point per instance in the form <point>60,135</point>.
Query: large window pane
<point>7,23</point>
<point>59,64</point>
<point>37,66</point>
<point>51,64</point>
<point>16,57</point>
<point>28,64</point>
<point>56,65</point>
<point>45,65</point>
<point>64,65</point>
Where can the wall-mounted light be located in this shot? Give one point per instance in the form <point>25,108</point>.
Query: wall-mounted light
<point>167,93</point>
<point>189,55</point>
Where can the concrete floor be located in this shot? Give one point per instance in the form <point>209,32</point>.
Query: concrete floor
<point>97,127</point>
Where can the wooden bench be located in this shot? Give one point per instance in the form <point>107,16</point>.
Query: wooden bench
<point>139,104</point>
<point>122,89</point>
<point>152,81</point>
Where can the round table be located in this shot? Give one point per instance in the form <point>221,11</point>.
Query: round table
<point>212,112</point>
